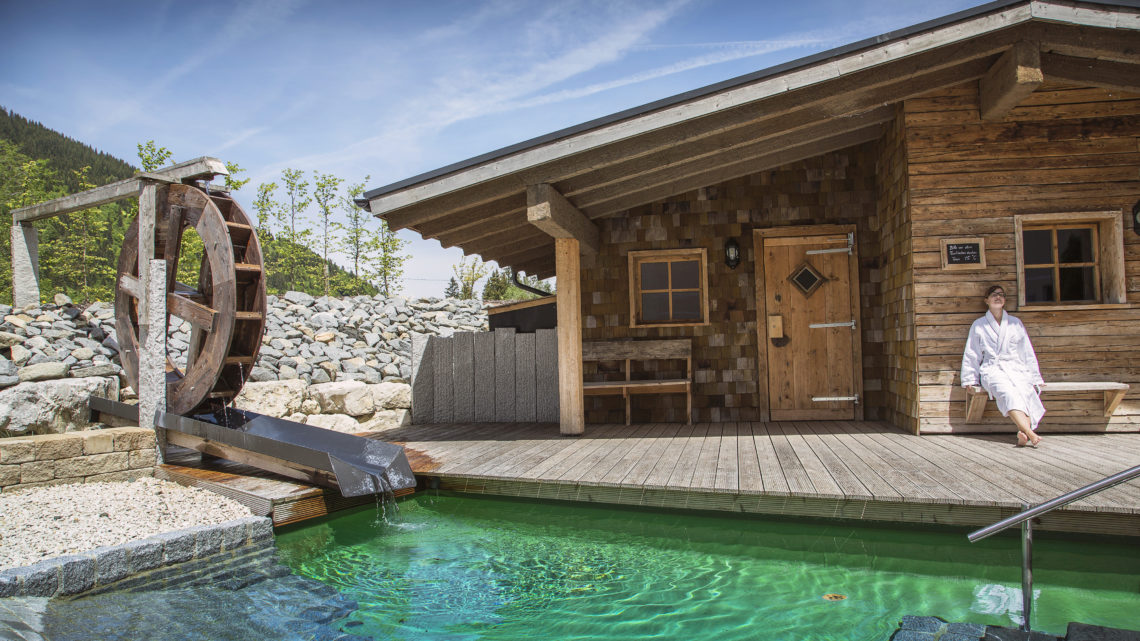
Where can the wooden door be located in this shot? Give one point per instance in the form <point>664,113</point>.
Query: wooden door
<point>809,322</point>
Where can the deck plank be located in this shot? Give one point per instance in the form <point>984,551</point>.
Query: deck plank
<point>771,472</point>
<point>639,444</point>
<point>704,475</point>
<point>682,476</point>
<point>849,484</point>
<point>748,463</point>
<point>654,456</point>
<point>797,476</point>
<point>728,461</point>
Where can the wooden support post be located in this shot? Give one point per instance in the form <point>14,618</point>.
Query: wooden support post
<point>1015,75</point>
<point>152,359</point>
<point>572,420</point>
<point>25,265</point>
<point>552,213</point>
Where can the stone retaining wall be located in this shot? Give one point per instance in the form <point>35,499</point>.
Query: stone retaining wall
<point>115,454</point>
<point>194,556</point>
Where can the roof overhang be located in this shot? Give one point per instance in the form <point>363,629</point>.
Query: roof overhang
<point>794,111</point>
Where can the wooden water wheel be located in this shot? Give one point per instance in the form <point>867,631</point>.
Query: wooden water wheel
<point>226,310</point>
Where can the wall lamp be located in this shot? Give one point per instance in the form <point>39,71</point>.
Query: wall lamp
<point>731,253</point>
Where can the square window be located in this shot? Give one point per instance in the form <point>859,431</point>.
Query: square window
<point>1070,259</point>
<point>668,288</point>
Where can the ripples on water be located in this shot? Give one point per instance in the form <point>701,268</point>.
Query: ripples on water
<point>460,568</point>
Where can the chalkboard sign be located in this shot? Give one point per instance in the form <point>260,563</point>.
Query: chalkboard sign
<point>963,253</point>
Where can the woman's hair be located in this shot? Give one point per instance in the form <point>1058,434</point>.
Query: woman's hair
<point>992,289</point>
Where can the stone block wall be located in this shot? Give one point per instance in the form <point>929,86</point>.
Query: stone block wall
<point>115,454</point>
<point>208,554</point>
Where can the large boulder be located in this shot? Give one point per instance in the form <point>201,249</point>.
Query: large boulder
<point>334,422</point>
<point>43,371</point>
<point>343,397</point>
<point>391,396</point>
<point>272,398</point>
<point>386,420</point>
<point>53,407</point>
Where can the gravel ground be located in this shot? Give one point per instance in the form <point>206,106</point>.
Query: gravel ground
<point>45,522</point>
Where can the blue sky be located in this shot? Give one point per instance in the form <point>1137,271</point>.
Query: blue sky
<point>389,89</point>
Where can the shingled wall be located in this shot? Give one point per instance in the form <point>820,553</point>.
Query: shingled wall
<point>833,188</point>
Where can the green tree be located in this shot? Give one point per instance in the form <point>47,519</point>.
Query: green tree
<point>324,194</point>
<point>153,157</point>
<point>265,207</point>
<point>385,263</point>
<point>452,289</point>
<point>355,237</point>
<point>497,285</point>
<point>295,230</point>
<point>232,181</point>
<point>23,182</point>
<point>469,273</point>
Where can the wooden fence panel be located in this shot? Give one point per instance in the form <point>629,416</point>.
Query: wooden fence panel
<point>463,377</point>
<point>505,374</point>
<point>484,377</point>
<point>525,410</point>
<point>546,375</point>
<point>499,376</point>
<point>444,390</point>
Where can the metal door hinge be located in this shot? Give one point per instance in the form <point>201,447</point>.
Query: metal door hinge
<point>849,323</point>
<point>834,399</point>
<point>838,250</point>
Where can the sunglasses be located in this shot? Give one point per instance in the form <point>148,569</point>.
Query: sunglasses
<point>997,295</point>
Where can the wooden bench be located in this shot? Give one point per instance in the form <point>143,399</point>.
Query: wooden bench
<point>976,397</point>
<point>628,351</point>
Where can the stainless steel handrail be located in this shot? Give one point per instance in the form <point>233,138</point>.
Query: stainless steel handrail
<point>1050,505</point>
<point>1024,518</point>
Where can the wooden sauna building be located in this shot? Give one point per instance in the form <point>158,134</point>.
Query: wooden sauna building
<point>812,241</point>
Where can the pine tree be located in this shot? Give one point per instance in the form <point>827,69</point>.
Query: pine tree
<point>452,290</point>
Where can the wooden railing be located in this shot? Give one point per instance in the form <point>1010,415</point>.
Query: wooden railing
<point>486,377</point>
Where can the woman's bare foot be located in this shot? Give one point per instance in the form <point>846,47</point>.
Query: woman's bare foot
<point>1022,439</point>
<point>1035,442</point>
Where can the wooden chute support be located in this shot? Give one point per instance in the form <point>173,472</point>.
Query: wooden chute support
<point>151,285</point>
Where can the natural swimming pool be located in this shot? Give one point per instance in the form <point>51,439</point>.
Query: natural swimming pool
<point>463,567</point>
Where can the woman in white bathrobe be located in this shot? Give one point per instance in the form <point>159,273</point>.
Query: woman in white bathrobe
<point>1000,358</point>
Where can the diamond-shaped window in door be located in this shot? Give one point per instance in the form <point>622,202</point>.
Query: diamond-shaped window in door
<point>806,279</point>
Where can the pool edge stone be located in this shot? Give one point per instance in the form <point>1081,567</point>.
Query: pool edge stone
<point>136,563</point>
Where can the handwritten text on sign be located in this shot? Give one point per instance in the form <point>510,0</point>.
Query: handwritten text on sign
<point>963,253</point>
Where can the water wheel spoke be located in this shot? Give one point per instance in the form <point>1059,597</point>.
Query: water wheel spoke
<point>173,249</point>
<point>186,291</point>
<point>130,285</point>
<point>197,314</point>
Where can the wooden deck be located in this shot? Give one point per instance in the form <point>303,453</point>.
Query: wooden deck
<point>828,469</point>
<point>832,469</point>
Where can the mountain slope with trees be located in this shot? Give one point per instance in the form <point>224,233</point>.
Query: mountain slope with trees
<point>79,252</point>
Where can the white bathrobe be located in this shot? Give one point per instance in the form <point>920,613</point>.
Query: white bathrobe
<point>1000,358</point>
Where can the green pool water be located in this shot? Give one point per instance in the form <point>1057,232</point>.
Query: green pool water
<point>463,567</point>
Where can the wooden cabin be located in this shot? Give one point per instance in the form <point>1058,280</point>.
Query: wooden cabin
<point>821,233</point>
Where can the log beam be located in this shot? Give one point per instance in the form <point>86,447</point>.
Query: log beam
<point>552,213</point>
<point>204,167</point>
<point>571,407</point>
<point>1107,74</point>
<point>1015,75</point>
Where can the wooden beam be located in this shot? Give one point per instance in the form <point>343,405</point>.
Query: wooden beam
<point>519,236</point>
<point>522,254</point>
<point>713,114</point>
<point>516,220</point>
<point>571,400</point>
<point>1015,75</point>
<point>467,218</point>
<point>128,188</point>
<point>666,173</point>
<point>552,213</point>
<point>1118,76</point>
<point>720,174</point>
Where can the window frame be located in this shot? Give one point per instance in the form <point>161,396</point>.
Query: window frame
<point>636,258</point>
<point>1108,245</point>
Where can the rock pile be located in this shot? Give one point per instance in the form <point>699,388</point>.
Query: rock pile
<point>309,340</point>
